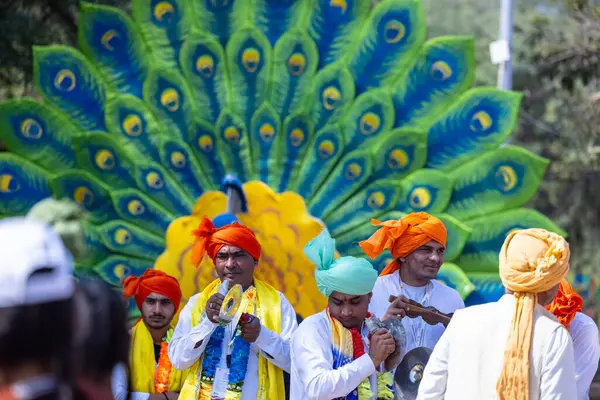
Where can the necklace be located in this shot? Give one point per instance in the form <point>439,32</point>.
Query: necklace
<point>417,337</point>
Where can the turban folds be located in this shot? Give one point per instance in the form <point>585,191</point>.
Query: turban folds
<point>209,240</point>
<point>531,261</point>
<point>566,304</point>
<point>348,275</point>
<point>402,237</point>
<point>152,281</point>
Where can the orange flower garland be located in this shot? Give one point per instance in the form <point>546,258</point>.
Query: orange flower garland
<point>163,370</point>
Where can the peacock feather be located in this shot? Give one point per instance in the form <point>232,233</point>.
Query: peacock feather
<point>328,112</point>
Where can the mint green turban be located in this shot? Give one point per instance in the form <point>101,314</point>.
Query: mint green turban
<point>348,275</point>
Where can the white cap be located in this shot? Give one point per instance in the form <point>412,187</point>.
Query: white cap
<point>28,246</point>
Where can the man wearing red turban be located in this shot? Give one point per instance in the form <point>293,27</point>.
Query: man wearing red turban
<point>157,296</point>
<point>243,358</point>
<point>567,307</point>
<point>417,243</point>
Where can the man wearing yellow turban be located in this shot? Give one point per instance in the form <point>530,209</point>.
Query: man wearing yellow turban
<point>512,349</point>
<point>417,243</point>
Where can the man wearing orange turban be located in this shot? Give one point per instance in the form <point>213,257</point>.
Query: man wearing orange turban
<point>513,348</point>
<point>157,296</point>
<point>243,358</point>
<point>567,307</point>
<point>417,243</point>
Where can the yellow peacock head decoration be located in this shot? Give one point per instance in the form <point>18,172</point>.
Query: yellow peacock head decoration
<point>330,112</point>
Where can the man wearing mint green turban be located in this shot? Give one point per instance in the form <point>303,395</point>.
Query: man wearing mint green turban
<point>333,355</point>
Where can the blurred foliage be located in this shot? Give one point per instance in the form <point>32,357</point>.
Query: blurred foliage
<point>556,64</point>
<point>25,23</point>
<point>556,61</point>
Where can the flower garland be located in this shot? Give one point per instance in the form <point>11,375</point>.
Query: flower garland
<point>240,353</point>
<point>384,379</point>
<point>239,364</point>
<point>163,370</point>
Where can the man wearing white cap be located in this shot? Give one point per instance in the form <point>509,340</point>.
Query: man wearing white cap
<point>36,311</point>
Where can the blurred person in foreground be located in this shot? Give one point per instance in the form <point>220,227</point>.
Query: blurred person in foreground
<point>37,315</point>
<point>152,375</point>
<point>102,326</point>
<point>512,349</point>
<point>567,307</point>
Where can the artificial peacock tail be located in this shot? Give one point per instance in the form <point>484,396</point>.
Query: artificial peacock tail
<point>331,111</point>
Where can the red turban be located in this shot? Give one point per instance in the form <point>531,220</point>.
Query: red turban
<point>152,281</point>
<point>210,240</point>
<point>402,237</point>
<point>566,304</point>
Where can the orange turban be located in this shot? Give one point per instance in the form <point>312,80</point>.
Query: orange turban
<point>210,240</point>
<point>531,261</point>
<point>402,237</point>
<point>152,281</point>
<point>566,304</point>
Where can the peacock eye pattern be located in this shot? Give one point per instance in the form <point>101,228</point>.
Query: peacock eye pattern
<point>343,111</point>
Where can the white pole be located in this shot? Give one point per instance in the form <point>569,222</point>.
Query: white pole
<point>506,28</point>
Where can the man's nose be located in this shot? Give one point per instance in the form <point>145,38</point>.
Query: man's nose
<point>346,311</point>
<point>229,262</point>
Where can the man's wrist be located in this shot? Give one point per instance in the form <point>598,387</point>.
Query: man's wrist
<point>376,362</point>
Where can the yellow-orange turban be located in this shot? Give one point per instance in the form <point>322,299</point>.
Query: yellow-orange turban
<point>402,237</point>
<point>531,261</point>
<point>152,281</point>
<point>209,240</point>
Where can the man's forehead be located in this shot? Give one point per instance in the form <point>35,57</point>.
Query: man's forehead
<point>344,297</point>
<point>230,249</point>
<point>434,244</point>
<point>156,296</point>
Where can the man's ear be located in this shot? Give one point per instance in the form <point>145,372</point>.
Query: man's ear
<point>370,295</point>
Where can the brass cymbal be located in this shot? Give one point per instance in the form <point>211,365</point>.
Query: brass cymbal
<point>231,305</point>
<point>410,372</point>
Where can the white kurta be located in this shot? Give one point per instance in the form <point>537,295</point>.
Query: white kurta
<point>584,333</point>
<point>274,347</point>
<point>468,359</point>
<point>119,385</point>
<point>438,295</point>
<point>313,376</point>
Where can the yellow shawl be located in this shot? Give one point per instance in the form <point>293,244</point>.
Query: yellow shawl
<point>143,363</point>
<point>270,377</point>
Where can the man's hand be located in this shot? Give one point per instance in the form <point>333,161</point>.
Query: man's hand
<point>397,309</point>
<point>402,307</point>
<point>251,329</point>
<point>394,359</point>
<point>213,306</point>
<point>382,345</point>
